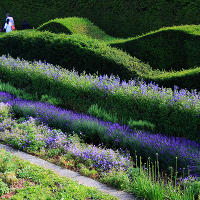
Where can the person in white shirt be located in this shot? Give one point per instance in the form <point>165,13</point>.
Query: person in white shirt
<point>10,18</point>
<point>7,26</point>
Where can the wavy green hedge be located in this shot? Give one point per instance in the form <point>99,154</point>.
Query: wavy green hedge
<point>90,55</point>
<point>184,79</point>
<point>168,48</point>
<point>71,51</point>
<point>117,17</point>
<point>75,25</point>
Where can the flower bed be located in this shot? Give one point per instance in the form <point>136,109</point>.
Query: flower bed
<point>105,164</point>
<point>20,179</point>
<point>175,113</point>
<point>114,135</point>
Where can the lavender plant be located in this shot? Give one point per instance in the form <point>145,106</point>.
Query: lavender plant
<point>174,112</point>
<point>115,135</point>
<point>116,167</point>
<point>103,159</point>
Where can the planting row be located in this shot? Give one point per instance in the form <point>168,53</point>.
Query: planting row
<point>112,134</point>
<point>103,164</point>
<point>19,179</point>
<point>98,55</point>
<point>173,112</point>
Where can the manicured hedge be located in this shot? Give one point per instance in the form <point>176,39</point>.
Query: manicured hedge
<point>71,51</point>
<point>71,25</point>
<point>168,48</point>
<point>116,17</point>
<point>184,79</point>
<point>90,55</point>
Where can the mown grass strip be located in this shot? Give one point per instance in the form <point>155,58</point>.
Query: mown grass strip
<point>44,184</point>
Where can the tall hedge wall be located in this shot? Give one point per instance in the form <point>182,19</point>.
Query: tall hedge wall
<point>115,17</point>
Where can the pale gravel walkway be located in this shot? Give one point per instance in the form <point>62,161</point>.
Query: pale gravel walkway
<point>70,174</point>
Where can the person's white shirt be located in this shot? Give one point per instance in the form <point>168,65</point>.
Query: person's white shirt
<point>8,27</point>
<point>11,20</point>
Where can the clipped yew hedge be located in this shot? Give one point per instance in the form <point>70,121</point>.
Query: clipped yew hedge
<point>170,48</point>
<point>120,18</point>
<point>71,51</point>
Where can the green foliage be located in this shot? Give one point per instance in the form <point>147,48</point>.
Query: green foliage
<point>75,25</point>
<point>49,185</point>
<point>6,87</point>
<point>52,100</point>
<point>61,49</point>
<point>89,163</point>
<point>141,125</point>
<point>142,186</point>
<point>80,165</point>
<point>53,152</point>
<point>184,78</point>
<point>116,17</point>
<point>9,178</point>
<point>95,55</point>
<point>101,113</point>
<point>169,48</point>
<point>85,171</point>
<point>89,173</point>
<point>143,183</point>
<point>34,193</point>
<point>6,164</point>
<point>4,112</point>
<point>3,188</point>
<point>79,94</point>
<point>118,180</point>
<point>193,190</point>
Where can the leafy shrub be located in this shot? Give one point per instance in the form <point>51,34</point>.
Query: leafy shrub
<point>9,177</point>
<point>51,100</point>
<point>117,179</point>
<point>85,171</point>
<point>53,152</point>
<point>3,188</point>
<point>4,111</point>
<point>141,125</point>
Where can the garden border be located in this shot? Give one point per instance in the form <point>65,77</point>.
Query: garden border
<point>69,174</point>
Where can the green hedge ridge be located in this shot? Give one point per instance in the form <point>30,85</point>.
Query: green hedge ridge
<point>75,25</point>
<point>71,51</point>
<point>170,48</point>
<point>117,17</point>
<point>184,79</point>
<point>90,55</point>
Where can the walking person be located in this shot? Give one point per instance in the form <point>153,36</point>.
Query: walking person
<point>8,26</point>
<point>11,21</point>
<point>25,25</point>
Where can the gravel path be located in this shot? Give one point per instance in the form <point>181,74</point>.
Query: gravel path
<point>69,174</point>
